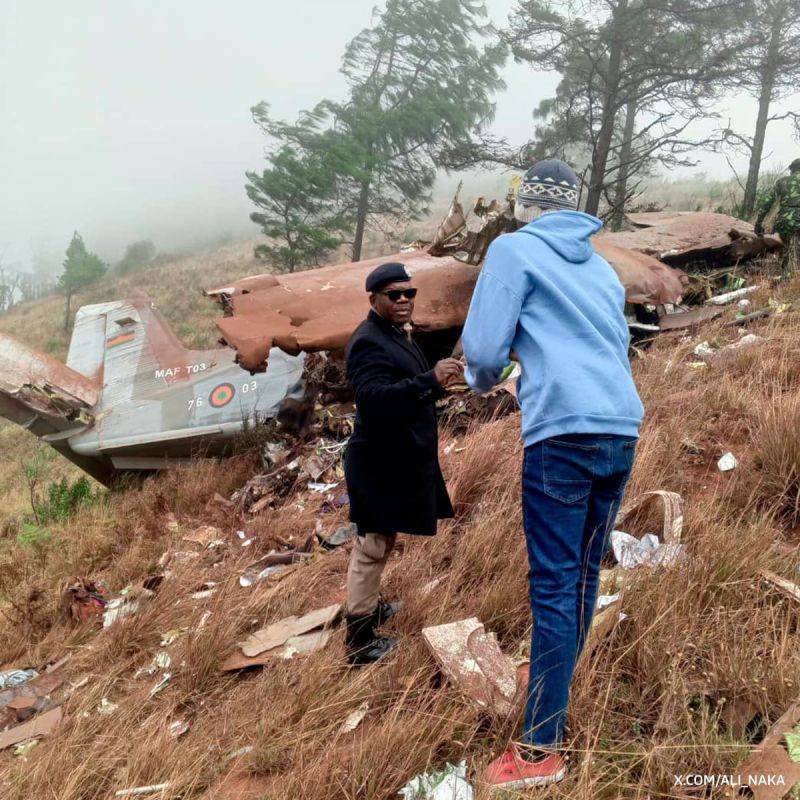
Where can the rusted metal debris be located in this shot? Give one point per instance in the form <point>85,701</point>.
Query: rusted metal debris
<point>41,725</point>
<point>474,662</point>
<point>769,773</point>
<point>81,599</point>
<point>683,238</point>
<point>319,309</point>
<point>39,392</point>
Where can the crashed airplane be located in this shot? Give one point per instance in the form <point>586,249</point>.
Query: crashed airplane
<point>319,309</point>
<point>131,397</point>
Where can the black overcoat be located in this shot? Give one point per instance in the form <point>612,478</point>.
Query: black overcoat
<point>392,462</point>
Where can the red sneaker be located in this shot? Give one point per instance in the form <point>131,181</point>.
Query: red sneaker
<point>512,771</point>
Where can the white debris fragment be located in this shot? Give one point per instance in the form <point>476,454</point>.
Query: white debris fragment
<point>162,684</point>
<point>449,783</point>
<point>727,462</point>
<point>139,790</point>
<point>321,487</point>
<point>161,660</point>
<point>605,600</point>
<point>124,606</point>
<point>171,636</point>
<point>729,297</point>
<point>178,728</point>
<point>242,751</point>
<point>631,552</point>
<point>106,707</point>
<point>16,677</point>
<point>704,350</point>
<point>23,748</point>
<point>247,579</point>
<point>354,718</point>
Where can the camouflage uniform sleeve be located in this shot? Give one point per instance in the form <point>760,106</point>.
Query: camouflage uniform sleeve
<point>766,204</point>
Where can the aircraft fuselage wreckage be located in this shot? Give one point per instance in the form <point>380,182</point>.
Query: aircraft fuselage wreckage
<point>131,397</point>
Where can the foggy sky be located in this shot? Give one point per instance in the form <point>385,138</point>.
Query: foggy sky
<point>131,120</point>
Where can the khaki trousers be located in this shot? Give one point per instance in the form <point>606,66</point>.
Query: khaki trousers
<point>367,560</point>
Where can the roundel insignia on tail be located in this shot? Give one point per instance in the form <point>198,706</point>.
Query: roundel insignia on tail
<point>221,395</point>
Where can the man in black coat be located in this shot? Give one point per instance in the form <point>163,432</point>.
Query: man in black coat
<point>392,463</point>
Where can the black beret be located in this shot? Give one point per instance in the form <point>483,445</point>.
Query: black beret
<point>393,272</point>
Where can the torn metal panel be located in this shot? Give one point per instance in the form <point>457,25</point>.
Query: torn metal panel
<point>319,309</point>
<point>646,280</point>
<point>680,320</point>
<point>681,238</point>
<point>671,513</point>
<point>41,725</point>
<point>473,661</point>
<point>37,388</point>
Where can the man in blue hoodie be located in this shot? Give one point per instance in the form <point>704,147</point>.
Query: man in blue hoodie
<point>547,296</point>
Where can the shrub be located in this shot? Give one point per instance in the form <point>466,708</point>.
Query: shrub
<point>63,499</point>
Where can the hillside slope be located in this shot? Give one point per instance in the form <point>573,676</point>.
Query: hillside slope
<point>175,285</point>
<point>707,656</point>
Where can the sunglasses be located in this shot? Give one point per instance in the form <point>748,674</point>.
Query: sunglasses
<point>395,294</point>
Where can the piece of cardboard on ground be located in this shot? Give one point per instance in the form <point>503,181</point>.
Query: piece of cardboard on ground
<point>280,632</point>
<point>294,646</point>
<point>770,759</point>
<point>41,725</point>
<point>473,661</point>
<point>671,513</point>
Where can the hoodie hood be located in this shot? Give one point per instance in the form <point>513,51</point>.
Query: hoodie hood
<point>566,232</point>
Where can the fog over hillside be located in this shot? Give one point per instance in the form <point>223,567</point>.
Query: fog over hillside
<point>115,125</point>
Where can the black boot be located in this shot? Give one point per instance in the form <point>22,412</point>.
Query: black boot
<point>386,611</point>
<point>362,644</point>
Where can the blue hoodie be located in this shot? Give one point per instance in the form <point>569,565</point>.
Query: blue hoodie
<point>546,294</point>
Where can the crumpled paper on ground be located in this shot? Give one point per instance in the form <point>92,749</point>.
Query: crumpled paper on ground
<point>631,552</point>
<point>16,677</point>
<point>449,783</point>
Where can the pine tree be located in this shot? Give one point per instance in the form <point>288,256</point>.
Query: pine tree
<point>81,268</point>
<point>657,63</point>
<point>768,68</point>
<point>420,84</point>
<point>299,209</point>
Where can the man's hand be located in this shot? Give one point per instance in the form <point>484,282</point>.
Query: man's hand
<point>447,371</point>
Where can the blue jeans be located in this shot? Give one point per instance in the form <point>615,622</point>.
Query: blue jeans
<point>572,486</point>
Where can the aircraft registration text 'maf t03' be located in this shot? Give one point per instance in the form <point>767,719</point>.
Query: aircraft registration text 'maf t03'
<point>131,397</point>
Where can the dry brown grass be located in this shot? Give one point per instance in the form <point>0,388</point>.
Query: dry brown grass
<point>650,702</point>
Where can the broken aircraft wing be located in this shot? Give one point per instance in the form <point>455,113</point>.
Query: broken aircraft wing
<point>39,392</point>
<point>319,309</point>
<point>680,238</point>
